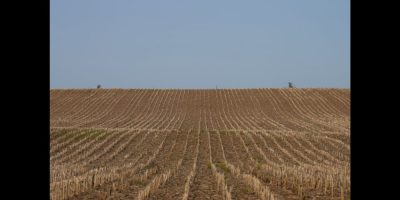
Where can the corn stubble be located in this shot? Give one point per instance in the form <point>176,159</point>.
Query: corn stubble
<point>267,144</point>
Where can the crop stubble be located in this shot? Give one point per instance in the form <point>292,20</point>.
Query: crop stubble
<point>200,144</point>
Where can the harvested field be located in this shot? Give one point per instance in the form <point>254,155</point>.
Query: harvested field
<point>200,144</point>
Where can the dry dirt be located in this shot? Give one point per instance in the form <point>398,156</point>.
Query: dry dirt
<point>200,144</point>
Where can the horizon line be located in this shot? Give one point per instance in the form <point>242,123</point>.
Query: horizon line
<point>155,88</point>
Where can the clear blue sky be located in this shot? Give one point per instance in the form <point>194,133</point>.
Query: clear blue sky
<point>199,44</point>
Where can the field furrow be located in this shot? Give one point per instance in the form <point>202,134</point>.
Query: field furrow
<point>268,144</point>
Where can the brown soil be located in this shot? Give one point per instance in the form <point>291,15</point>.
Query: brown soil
<point>164,144</point>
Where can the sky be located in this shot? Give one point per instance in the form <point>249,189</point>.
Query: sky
<point>199,44</point>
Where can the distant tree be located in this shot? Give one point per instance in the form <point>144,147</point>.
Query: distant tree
<point>290,85</point>
<point>98,86</point>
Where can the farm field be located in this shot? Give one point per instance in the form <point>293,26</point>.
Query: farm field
<point>200,144</point>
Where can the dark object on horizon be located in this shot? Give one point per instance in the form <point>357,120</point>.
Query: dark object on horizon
<point>98,86</point>
<point>291,85</point>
